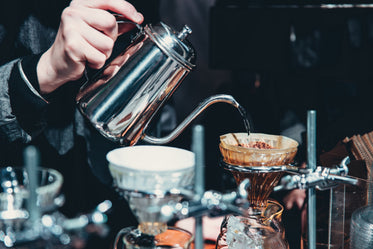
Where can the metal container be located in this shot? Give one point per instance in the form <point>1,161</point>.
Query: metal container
<point>121,99</point>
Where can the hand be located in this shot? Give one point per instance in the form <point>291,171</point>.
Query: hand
<point>296,198</point>
<point>85,37</point>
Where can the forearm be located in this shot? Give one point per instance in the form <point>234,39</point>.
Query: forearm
<point>22,108</point>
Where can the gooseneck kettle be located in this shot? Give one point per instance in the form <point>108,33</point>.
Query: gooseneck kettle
<point>123,97</point>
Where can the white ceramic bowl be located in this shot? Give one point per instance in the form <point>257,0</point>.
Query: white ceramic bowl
<point>149,168</point>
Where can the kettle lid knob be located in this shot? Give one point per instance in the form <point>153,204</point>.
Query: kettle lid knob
<point>173,43</point>
<point>184,32</point>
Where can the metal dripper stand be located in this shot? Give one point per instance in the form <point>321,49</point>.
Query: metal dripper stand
<point>29,200</point>
<point>322,178</point>
<point>264,159</point>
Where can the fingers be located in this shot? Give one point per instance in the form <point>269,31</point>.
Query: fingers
<point>295,197</point>
<point>97,19</point>
<point>301,198</point>
<point>86,37</point>
<point>289,204</point>
<point>85,53</point>
<point>120,7</point>
<point>97,26</point>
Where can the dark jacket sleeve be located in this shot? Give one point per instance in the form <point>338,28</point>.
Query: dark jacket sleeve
<point>22,111</point>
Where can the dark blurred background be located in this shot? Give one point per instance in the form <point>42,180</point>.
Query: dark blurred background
<point>278,59</point>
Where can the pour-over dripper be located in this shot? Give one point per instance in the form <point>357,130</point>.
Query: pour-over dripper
<point>149,177</point>
<point>245,157</point>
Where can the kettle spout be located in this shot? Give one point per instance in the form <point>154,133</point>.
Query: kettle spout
<point>220,98</point>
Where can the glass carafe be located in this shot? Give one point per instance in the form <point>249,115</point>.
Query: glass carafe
<point>254,231</point>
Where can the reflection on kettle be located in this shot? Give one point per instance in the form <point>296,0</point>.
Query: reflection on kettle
<point>124,96</point>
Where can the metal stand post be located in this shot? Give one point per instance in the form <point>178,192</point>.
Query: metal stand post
<point>31,158</point>
<point>198,149</point>
<point>311,158</point>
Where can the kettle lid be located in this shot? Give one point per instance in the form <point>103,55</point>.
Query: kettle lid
<point>172,43</point>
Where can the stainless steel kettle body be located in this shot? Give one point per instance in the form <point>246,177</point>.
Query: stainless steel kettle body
<point>124,96</point>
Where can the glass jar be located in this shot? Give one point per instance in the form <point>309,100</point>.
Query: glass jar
<point>256,231</point>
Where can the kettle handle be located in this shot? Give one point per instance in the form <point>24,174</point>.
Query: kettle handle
<point>121,19</point>
<point>195,113</point>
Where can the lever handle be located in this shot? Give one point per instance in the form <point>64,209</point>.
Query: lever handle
<point>212,203</point>
<point>322,178</point>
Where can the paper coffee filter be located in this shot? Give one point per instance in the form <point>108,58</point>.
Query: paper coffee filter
<point>283,152</point>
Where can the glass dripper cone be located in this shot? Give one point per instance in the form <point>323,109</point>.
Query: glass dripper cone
<point>250,157</point>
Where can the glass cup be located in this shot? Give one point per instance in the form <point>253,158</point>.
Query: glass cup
<point>334,214</point>
<point>362,228</point>
<point>323,242</point>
